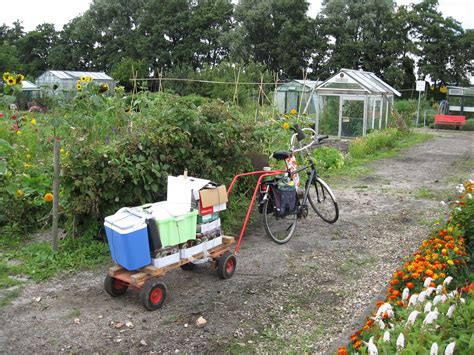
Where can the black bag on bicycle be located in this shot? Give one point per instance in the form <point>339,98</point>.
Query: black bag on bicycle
<point>285,198</point>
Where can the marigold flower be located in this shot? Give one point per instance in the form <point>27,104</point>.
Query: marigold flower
<point>48,197</point>
<point>358,344</point>
<point>410,285</point>
<point>293,111</point>
<point>33,121</point>
<point>342,350</point>
<point>19,193</point>
<point>450,262</point>
<point>285,125</point>
<point>19,132</point>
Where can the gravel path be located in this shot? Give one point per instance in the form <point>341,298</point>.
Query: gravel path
<point>307,295</point>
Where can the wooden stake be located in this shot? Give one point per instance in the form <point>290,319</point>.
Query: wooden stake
<point>236,97</point>
<point>56,194</point>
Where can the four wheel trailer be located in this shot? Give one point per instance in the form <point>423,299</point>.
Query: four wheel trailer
<point>147,280</point>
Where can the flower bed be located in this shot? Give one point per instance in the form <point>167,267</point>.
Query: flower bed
<point>429,303</point>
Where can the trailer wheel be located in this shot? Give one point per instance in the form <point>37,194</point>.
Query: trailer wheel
<point>226,265</point>
<point>153,294</point>
<point>114,287</point>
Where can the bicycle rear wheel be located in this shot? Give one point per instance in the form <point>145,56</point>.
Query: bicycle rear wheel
<point>322,200</point>
<point>280,229</point>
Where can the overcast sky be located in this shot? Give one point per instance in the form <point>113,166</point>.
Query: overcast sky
<point>34,12</point>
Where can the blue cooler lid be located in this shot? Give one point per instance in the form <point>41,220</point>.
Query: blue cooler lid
<point>126,221</point>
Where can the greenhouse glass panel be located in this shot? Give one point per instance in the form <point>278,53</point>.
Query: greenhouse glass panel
<point>329,115</point>
<point>352,123</point>
<point>352,86</point>
<point>377,114</point>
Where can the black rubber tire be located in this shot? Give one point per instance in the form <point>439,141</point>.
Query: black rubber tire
<point>226,265</point>
<point>153,294</point>
<point>189,267</point>
<point>319,197</point>
<point>114,287</point>
<point>287,224</point>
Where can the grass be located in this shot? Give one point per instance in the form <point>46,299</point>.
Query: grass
<point>9,296</point>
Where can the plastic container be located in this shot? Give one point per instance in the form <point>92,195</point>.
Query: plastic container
<point>177,230</point>
<point>166,260</point>
<point>128,239</point>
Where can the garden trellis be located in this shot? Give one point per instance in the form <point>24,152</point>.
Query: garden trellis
<point>352,103</point>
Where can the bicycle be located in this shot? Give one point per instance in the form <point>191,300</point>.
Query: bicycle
<point>281,226</point>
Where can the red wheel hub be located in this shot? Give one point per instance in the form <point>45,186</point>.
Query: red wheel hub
<point>230,265</point>
<point>119,284</point>
<point>156,295</point>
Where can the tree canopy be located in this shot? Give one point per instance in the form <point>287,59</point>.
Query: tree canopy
<point>190,36</point>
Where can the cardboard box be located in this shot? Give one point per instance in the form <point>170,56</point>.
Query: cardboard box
<point>212,200</point>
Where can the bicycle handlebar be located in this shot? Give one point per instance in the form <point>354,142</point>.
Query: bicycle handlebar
<point>300,133</point>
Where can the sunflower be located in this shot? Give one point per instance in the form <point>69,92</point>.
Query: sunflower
<point>285,125</point>
<point>19,78</point>
<point>11,81</point>
<point>84,79</point>
<point>103,88</point>
<point>78,86</point>
<point>6,75</point>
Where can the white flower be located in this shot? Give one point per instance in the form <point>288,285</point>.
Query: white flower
<point>427,307</point>
<point>386,307</point>
<point>427,281</point>
<point>458,209</point>
<point>372,349</point>
<point>450,348</point>
<point>462,300</point>
<point>381,324</point>
<point>413,300</point>
<point>453,294</point>
<point>439,289</point>
<point>401,341</point>
<point>444,298</point>
<point>447,280</point>
<point>469,196</point>
<point>429,291</point>
<point>460,188</point>
<point>434,349</point>
<point>430,317</point>
<point>405,293</point>
<point>450,311</point>
<point>412,318</point>
<point>421,297</point>
<point>436,299</point>
<point>386,336</point>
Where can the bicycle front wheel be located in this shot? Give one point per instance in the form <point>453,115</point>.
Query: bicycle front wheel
<point>280,229</point>
<point>322,200</point>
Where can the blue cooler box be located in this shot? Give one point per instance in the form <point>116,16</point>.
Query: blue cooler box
<point>127,235</point>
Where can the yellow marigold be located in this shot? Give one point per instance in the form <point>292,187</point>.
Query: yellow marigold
<point>6,75</point>
<point>48,197</point>
<point>19,193</point>
<point>19,132</point>
<point>293,111</point>
<point>27,165</point>
<point>33,121</point>
<point>450,262</point>
<point>285,125</point>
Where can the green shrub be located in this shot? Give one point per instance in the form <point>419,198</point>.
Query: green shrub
<point>328,158</point>
<point>374,142</point>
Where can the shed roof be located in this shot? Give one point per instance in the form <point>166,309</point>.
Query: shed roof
<point>67,74</point>
<point>357,80</point>
<point>308,84</point>
<point>28,86</point>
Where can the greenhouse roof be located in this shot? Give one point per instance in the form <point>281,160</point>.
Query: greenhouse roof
<point>78,74</point>
<point>357,81</point>
<point>28,86</point>
<point>295,85</point>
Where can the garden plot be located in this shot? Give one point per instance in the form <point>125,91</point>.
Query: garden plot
<point>307,295</point>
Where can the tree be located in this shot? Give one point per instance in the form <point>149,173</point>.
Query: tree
<point>443,48</point>
<point>278,34</point>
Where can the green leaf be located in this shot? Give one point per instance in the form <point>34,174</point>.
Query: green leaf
<point>3,167</point>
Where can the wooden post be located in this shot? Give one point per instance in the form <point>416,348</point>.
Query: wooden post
<point>235,98</point>
<point>160,75</point>
<point>56,194</point>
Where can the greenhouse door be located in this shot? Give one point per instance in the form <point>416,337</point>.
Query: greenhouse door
<point>351,116</point>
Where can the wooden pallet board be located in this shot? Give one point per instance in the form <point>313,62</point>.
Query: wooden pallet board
<point>138,277</point>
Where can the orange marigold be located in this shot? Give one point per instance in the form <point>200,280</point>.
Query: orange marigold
<point>48,197</point>
<point>342,350</point>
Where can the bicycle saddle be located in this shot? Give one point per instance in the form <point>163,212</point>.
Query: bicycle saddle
<point>281,155</point>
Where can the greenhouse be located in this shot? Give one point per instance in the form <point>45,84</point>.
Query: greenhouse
<point>55,81</point>
<point>297,95</point>
<point>353,103</point>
